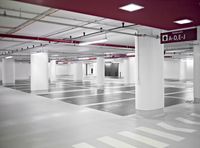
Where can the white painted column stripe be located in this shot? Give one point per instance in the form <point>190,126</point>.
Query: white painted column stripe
<point>160,133</point>
<point>187,121</point>
<point>142,139</point>
<point>114,142</point>
<point>172,128</point>
<point>82,145</point>
<point>195,115</point>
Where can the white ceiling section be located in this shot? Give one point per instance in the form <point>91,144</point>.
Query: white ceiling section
<point>18,18</point>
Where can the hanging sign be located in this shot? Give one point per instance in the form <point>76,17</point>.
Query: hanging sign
<point>179,36</point>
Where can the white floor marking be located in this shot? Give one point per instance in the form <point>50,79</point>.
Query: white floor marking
<point>172,128</point>
<point>142,139</point>
<point>82,145</point>
<point>195,115</point>
<point>108,93</point>
<point>108,102</point>
<point>160,133</point>
<point>178,92</point>
<point>62,91</point>
<point>187,121</point>
<point>114,142</point>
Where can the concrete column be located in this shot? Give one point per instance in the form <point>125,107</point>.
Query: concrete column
<point>78,71</point>
<point>127,76</point>
<point>196,70</point>
<point>100,70</point>
<point>52,70</point>
<point>149,70</point>
<point>8,71</point>
<point>39,71</point>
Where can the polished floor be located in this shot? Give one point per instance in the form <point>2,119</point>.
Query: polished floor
<point>32,121</point>
<point>114,97</point>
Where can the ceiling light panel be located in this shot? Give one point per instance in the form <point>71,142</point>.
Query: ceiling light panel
<point>131,7</point>
<point>183,21</point>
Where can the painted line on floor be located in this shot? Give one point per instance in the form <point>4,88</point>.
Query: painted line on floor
<point>195,115</point>
<point>115,142</point>
<point>83,145</point>
<point>178,92</point>
<point>143,139</point>
<point>61,91</point>
<point>187,121</point>
<point>172,128</point>
<point>80,96</point>
<point>161,133</point>
<point>108,102</point>
<point>182,98</point>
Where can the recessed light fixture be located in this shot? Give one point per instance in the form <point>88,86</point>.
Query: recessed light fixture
<point>183,21</point>
<point>131,7</point>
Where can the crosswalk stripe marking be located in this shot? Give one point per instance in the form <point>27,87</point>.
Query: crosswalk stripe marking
<point>195,115</point>
<point>82,145</point>
<point>187,121</point>
<point>146,140</point>
<point>160,133</point>
<point>114,142</point>
<point>172,128</point>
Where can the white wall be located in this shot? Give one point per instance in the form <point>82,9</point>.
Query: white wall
<point>61,69</point>
<point>172,69</point>
<point>22,70</point>
<point>0,71</point>
<point>178,69</point>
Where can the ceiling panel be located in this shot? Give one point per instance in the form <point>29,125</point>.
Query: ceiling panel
<point>22,6</point>
<point>10,22</point>
<point>77,16</point>
<point>39,29</point>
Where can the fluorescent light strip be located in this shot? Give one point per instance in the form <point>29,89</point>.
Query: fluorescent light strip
<point>9,57</point>
<point>184,21</point>
<point>131,7</point>
<point>93,42</point>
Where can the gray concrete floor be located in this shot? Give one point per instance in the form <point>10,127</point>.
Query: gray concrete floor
<point>32,121</point>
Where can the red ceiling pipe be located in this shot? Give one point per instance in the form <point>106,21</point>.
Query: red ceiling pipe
<point>58,40</point>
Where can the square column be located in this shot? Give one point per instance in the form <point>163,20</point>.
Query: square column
<point>8,71</point>
<point>196,70</point>
<point>100,70</point>
<point>149,71</point>
<point>52,70</point>
<point>78,71</point>
<point>39,71</point>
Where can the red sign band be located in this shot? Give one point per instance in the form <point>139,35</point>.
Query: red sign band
<point>179,36</point>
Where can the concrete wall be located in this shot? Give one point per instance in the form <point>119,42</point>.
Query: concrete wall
<point>0,71</point>
<point>177,69</point>
<point>61,69</point>
<point>22,70</point>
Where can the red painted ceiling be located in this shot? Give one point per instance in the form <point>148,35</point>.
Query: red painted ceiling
<point>156,13</point>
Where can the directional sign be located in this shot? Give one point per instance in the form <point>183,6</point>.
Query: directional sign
<point>179,36</point>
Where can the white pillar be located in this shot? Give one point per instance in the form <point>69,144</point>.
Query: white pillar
<point>39,71</point>
<point>78,71</point>
<point>149,70</point>
<point>127,70</point>
<point>52,70</point>
<point>196,71</point>
<point>8,71</point>
<point>100,70</point>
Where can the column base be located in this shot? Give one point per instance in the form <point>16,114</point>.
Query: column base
<point>150,113</point>
<point>196,101</point>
